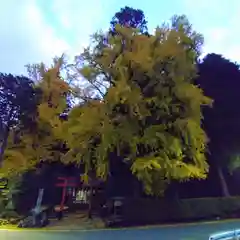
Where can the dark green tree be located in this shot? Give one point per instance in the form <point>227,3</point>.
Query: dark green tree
<point>129,17</point>
<point>220,80</point>
<point>17,105</point>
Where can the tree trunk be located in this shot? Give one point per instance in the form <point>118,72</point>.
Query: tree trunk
<point>4,145</point>
<point>224,186</point>
<point>90,199</point>
<point>5,136</point>
<point>136,188</point>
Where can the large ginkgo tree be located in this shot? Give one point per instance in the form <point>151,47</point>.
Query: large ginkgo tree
<point>148,110</point>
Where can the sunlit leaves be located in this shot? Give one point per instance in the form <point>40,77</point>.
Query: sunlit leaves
<point>151,113</point>
<point>37,143</point>
<point>146,110</point>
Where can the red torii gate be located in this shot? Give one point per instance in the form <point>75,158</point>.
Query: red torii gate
<point>65,182</point>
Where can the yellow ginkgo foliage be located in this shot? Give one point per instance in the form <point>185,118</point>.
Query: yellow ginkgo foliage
<point>41,142</point>
<point>151,113</point>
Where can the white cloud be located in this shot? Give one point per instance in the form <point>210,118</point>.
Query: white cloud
<point>30,33</point>
<point>218,21</point>
<point>223,41</point>
<point>25,37</point>
<point>80,18</point>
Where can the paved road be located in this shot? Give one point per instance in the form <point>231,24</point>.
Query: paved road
<point>186,232</point>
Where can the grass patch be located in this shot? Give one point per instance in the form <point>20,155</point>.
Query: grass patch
<point>8,227</point>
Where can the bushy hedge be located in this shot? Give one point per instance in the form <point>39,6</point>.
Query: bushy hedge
<point>146,211</point>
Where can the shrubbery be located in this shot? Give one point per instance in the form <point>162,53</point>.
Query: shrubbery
<point>7,203</point>
<point>146,211</point>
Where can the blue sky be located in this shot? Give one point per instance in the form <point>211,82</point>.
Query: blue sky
<point>36,30</point>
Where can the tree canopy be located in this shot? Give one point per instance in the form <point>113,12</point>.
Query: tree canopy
<point>129,17</point>
<point>219,78</point>
<point>151,113</point>
<point>141,103</point>
<point>17,105</point>
<point>36,143</point>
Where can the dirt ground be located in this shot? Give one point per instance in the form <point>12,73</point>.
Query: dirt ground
<point>76,221</point>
